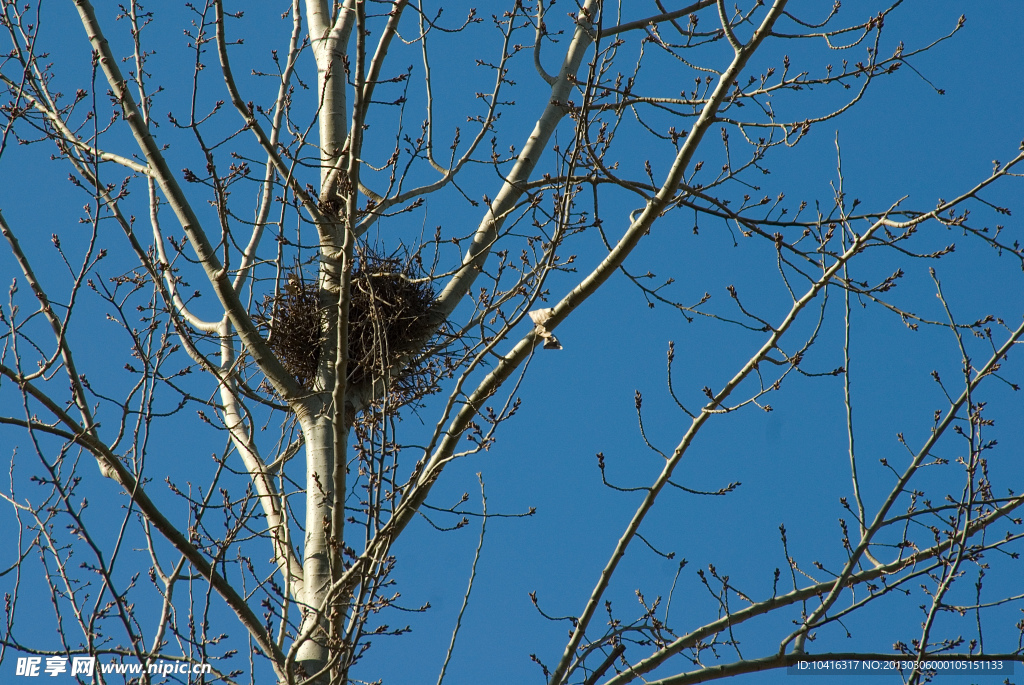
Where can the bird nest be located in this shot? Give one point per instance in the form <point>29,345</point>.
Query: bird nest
<point>389,317</point>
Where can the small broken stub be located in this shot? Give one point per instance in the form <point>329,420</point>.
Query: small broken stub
<point>540,317</point>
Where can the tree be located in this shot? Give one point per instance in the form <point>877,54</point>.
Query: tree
<point>327,220</point>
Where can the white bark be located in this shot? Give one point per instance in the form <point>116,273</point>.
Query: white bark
<point>512,189</point>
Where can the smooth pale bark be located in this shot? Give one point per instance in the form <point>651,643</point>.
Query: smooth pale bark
<point>324,426</point>
<point>513,187</point>
<point>269,497</point>
<point>318,431</point>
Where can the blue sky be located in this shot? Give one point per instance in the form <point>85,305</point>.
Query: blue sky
<point>902,140</point>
